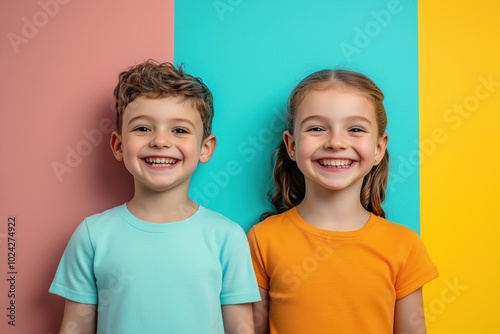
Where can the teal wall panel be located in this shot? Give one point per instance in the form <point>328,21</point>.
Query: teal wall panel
<point>252,53</point>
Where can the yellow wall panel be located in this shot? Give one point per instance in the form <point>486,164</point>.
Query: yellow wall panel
<point>459,84</point>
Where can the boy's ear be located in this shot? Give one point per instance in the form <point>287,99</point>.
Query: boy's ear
<point>290,144</point>
<point>381,148</point>
<point>207,148</point>
<point>115,142</point>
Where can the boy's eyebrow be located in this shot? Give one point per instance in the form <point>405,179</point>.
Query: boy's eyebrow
<point>147,117</point>
<point>183,120</point>
<point>138,117</point>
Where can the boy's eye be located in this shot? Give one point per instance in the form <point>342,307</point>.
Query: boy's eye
<point>141,129</point>
<point>357,130</point>
<point>180,131</point>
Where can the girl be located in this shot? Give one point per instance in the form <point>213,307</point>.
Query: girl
<point>328,261</point>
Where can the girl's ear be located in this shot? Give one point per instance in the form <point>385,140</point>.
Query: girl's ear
<point>115,142</point>
<point>381,148</point>
<point>290,144</point>
<point>207,148</point>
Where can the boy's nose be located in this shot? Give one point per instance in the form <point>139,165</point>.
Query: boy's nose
<point>160,140</point>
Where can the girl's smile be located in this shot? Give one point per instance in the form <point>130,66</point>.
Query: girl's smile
<point>335,140</point>
<point>335,163</point>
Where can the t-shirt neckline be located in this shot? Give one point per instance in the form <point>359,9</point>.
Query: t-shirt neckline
<point>294,216</point>
<point>159,227</point>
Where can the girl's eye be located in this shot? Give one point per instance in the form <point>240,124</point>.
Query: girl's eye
<point>141,129</point>
<point>357,130</point>
<point>315,129</point>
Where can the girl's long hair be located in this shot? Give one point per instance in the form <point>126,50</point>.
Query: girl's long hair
<point>289,181</point>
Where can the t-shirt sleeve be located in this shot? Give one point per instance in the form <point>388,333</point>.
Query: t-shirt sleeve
<point>417,271</point>
<point>238,279</point>
<point>74,279</point>
<point>257,260</point>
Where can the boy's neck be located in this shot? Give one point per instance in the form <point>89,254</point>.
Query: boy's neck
<point>161,207</point>
<point>333,210</point>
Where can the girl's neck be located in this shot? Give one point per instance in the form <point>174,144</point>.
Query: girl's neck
<point>333,210</point>
<point>161,207</point>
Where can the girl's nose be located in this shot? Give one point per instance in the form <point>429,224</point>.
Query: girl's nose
<point>336,142</point>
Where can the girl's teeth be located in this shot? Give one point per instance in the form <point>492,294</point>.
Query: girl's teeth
<point>335,164</point>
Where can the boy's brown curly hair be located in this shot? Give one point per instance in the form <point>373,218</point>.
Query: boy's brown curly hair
<point>158,80</point>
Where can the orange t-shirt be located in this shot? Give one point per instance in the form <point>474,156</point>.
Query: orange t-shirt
<point>322,281</point>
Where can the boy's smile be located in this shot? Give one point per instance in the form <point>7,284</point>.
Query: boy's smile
<point>160,162</point>
<point>161,142</point>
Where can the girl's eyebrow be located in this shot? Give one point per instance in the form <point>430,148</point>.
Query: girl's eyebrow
<point>313,117</point>
<point>359,118</point>
<point>324,119</point>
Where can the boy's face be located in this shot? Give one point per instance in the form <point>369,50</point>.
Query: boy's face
<point>161,143</point>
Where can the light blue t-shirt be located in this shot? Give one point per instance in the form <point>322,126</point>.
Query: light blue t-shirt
<point>157,278</point>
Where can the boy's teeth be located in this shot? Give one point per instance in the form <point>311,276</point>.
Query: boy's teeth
<point>160,161</point>
<point>335,163</point>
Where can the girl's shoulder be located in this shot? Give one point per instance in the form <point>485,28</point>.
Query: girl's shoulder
<point>275,220</point>
<point>394,230</point>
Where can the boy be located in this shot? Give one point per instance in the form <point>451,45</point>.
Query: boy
<point>159,263</point>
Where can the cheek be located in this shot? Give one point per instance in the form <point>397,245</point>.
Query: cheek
<point>369,148</point>
<point>129,146</point>
<point>132,146</point>
<point>190,148</point>
<point>307,145</point>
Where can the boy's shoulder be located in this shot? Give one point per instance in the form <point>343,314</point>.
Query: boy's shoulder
<point>107,214</point>
<point>217,218</point>
<point>204,218</point>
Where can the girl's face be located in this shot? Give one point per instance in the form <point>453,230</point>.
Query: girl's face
<point>335,141</point>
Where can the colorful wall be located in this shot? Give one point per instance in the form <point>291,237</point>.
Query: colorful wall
<point>459,84</point>
<point>436,63</point>
<point>253,54</point>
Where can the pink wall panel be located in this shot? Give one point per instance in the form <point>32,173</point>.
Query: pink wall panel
<point>59,64</point>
